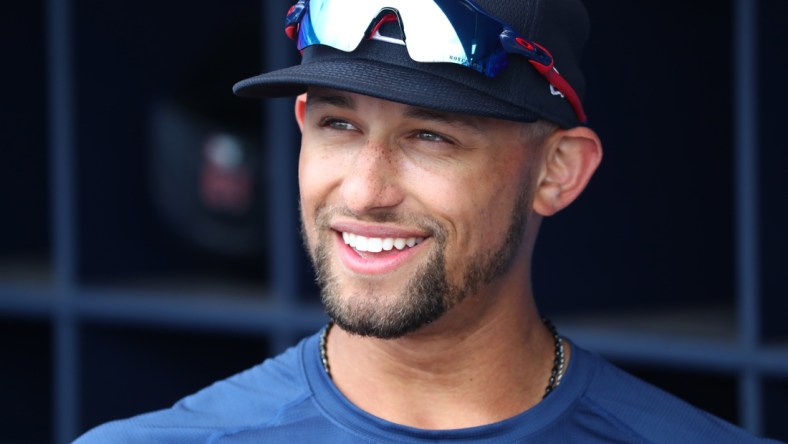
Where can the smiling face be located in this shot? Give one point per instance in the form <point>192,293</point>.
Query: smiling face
<point>406,211</point>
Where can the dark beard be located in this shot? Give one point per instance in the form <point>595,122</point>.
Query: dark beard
<point>427,295</point>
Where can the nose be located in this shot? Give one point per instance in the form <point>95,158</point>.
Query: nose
<point>372,180</point>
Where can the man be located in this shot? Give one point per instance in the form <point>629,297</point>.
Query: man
<point>434,139</point>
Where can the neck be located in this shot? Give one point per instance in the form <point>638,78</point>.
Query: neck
<point>461,371</point>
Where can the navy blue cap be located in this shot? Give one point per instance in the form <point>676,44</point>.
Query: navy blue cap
<point>384,70</point>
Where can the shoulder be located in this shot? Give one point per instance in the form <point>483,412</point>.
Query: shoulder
<point>248,399</point>
<point>622,401</point>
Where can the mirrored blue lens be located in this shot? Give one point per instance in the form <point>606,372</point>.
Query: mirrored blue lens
<point>435,31</point>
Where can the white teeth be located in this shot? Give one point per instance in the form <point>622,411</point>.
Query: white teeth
<point>375,245</point>
<point>378,244</point>
<point>361,243</point>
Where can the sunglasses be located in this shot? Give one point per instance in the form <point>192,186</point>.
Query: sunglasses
<point>448,31</point>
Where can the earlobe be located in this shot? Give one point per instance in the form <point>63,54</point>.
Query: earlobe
<point>300,110</point>
<point>572,157</point>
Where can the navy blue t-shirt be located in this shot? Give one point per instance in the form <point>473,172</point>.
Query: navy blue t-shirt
<point>290,399</point>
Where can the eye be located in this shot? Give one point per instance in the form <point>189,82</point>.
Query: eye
<point>430,136</point>
<point>337,124</point>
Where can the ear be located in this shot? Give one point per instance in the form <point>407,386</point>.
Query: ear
<point>571,157</point>
<point>300,110</point>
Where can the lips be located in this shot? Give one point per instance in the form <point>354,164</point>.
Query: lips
<point>371,255</point>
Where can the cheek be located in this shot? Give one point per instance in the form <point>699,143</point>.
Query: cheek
<point>314,185</point>
<point>479,211</point>
<point>485,213</point>
<point>317,175</point>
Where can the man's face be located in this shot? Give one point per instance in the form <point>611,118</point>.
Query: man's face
<point>406,211</point>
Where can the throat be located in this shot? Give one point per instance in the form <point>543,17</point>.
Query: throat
<point>457,398</point>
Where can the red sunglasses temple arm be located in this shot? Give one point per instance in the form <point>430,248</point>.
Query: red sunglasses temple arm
<point>541,59</point>
<point>560,83</point>
<point>293,19</point>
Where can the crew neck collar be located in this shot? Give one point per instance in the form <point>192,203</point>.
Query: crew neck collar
<point>338,408</point>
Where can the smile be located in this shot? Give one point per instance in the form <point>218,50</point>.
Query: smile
<point>378,244</point>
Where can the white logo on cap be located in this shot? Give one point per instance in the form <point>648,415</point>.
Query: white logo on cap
<point>554,91</point>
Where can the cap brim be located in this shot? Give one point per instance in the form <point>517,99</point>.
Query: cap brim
<point>411,84</point>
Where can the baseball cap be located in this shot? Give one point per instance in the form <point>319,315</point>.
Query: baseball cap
<point>382,69</point>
